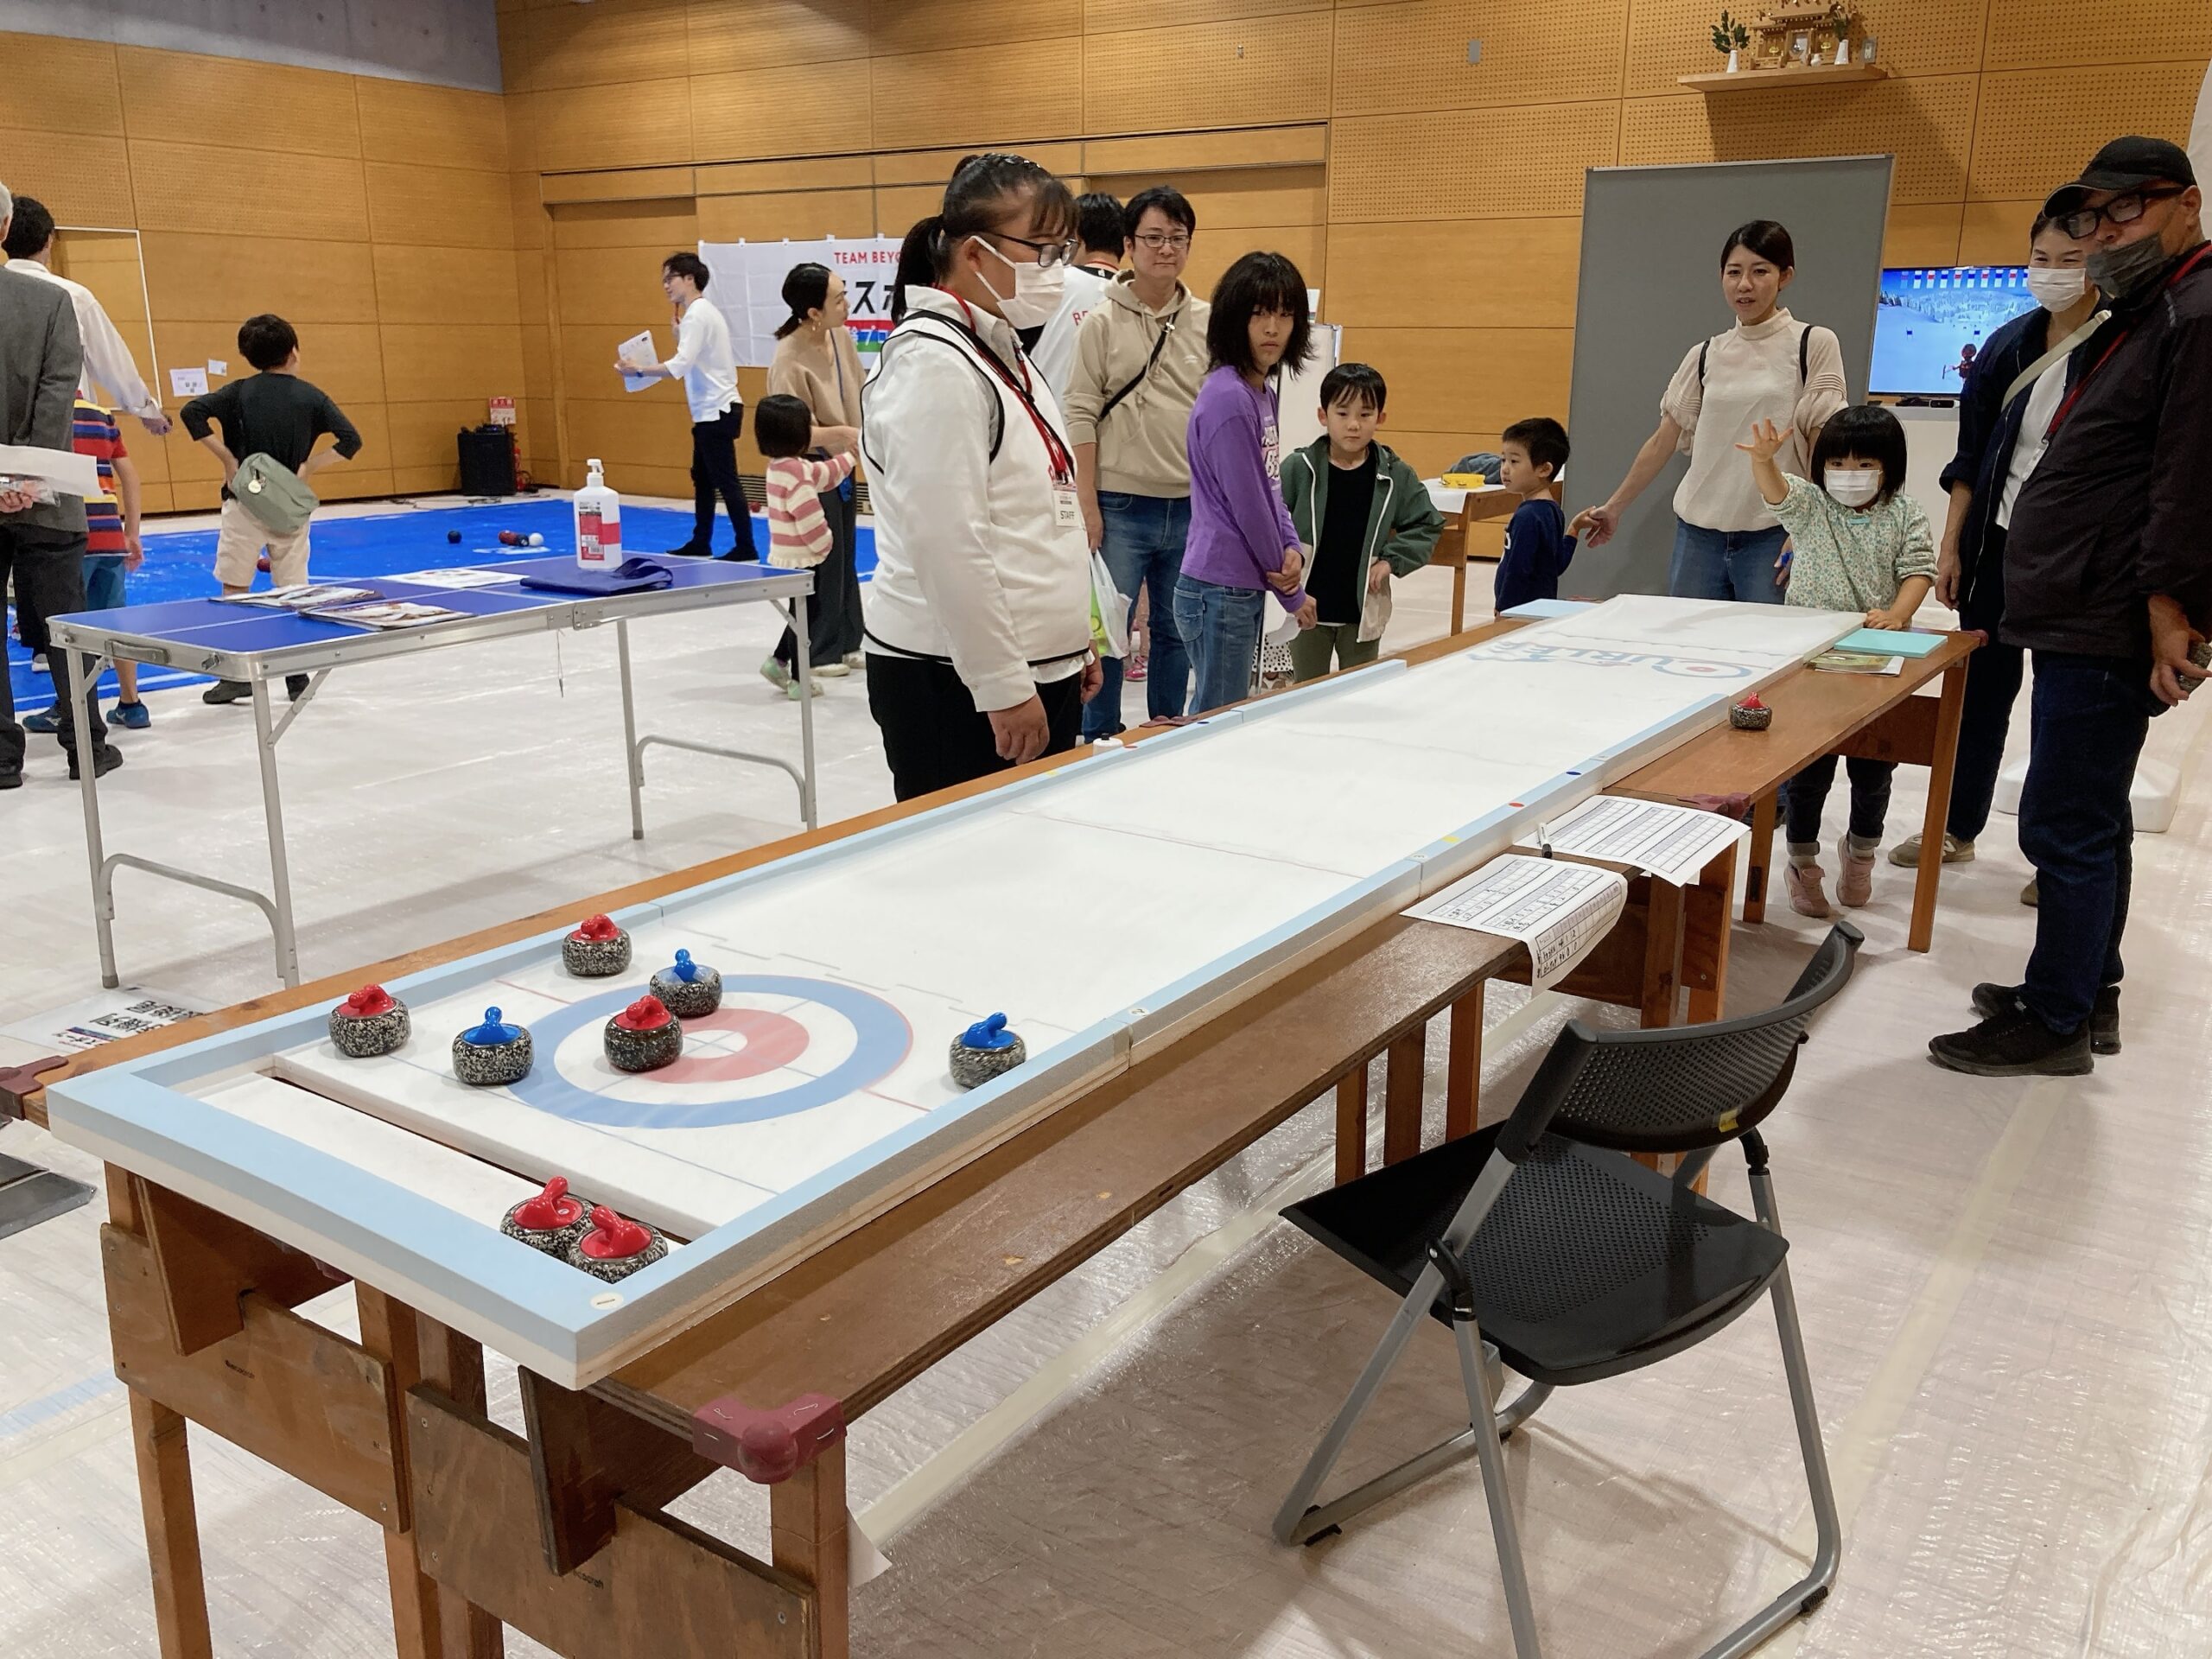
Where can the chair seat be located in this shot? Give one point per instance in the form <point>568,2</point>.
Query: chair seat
<point>1588,1265</point>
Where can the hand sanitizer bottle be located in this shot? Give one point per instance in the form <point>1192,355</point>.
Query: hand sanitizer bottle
<point>598,523</point>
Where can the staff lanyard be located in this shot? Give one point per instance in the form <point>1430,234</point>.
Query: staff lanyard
<point>1057,453</point>
<point>2118,339</point>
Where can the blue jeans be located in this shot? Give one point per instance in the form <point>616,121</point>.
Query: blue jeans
<point>1143,546</point>
<point>2089,717</point>
<point>104,582</point>
<point>1221,630</point>
<point>1725,563</point>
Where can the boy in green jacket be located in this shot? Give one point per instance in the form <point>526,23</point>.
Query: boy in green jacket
<point>1366,516</point>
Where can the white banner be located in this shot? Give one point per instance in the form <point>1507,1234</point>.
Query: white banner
<point>747,286</point>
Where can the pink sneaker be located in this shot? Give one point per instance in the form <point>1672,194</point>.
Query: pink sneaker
<point>1805,895</point>
<point>1135,669</point>
<point>1854,881</point>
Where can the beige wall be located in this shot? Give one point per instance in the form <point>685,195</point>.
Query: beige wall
<point>1436,203</point>
<point>374,214</point>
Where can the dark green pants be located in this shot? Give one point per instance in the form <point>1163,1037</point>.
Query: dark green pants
<point>1311,653</point>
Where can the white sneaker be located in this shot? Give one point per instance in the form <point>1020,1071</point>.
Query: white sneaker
<point>792,692</point>
<point>857,661</point>
<point>776,674</point>
<point>831,671</point>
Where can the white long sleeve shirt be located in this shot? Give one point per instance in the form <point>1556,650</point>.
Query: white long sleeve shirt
<point>108,366</point>
<point>705,361</point>
<point>973,565</point>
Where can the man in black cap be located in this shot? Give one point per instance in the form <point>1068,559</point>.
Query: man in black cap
<point>2108,582</point>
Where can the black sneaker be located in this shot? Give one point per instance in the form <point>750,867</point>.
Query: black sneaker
<point>105,759</point>
<point>688,550</point>
<point>2014,1044</point>
<point>1990,1000</point>
<point>11,779</point>
<point>296,686</point>
<point>744,553</point>
<point>228,691</point>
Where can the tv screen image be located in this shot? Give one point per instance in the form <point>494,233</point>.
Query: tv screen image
<point>1931,321</point>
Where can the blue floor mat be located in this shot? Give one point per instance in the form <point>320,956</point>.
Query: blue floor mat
<point>181,564</point>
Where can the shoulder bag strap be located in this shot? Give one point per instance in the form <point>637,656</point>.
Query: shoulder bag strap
<point>2034,371</point>
<point>1166,327</point>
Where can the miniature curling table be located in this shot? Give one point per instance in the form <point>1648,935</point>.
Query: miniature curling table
<point>261,646</point>
<point>238,1169</point>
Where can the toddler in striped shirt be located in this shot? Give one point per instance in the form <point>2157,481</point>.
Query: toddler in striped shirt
<point>798,530</point>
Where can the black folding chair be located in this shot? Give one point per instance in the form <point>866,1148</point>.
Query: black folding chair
<point>1542,1244</point>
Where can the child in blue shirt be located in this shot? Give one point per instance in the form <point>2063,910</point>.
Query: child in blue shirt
<point>1537,546</point>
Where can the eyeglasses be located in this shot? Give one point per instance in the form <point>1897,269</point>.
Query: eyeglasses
<point>1049,254</point>
<point>1164,241</point>
<point>2121,210</point>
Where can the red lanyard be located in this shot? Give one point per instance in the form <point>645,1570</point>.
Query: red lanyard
<point>2118,339</point>
<point>1057,453</point>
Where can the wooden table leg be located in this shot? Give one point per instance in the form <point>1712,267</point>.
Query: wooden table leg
<point>806,1525</point>
<point>1463,1078</point>
<point>428,1620</point>
<point>1460,588</point>
<point>1761,857</point>
<point>1351,1124</point>
<point>1663,954</point>
<point>172,1529</point>
<point>1707,910</point>
<point>1940,765</point>
<point>1403,1077</point>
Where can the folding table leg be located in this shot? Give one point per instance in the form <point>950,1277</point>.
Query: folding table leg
<point>88,791</point>
<point>272,814</point>
<point>633,765</point>
<point>804,671</point>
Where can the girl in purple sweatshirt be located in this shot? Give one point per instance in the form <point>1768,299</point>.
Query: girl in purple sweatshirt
<point>1241,540</point>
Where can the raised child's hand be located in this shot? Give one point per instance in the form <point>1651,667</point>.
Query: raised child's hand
<point>1766,440</point>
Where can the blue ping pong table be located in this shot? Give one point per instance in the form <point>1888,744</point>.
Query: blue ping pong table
<point>260,646</point>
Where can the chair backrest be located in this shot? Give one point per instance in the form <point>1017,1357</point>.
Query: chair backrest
<point>1680,1089</point>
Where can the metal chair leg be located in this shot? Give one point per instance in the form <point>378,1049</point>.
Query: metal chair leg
<point>1482,1408</point>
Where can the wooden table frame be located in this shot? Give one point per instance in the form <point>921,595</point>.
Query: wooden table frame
<point>1454,549</point>
<point>562,1533</point>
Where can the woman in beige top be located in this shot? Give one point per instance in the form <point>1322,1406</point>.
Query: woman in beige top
<point>817,363</point>
<point>1769,367</point>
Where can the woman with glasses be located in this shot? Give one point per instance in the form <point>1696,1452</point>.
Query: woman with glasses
<point>1140,358</point>
<point>1769,367</point>
<point>978,620</point>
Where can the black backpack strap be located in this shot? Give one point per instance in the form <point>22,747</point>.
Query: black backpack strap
<point>1703,347</point>
<point>1804,354</point>
<point>1166,327</point>
<point>998,410</point>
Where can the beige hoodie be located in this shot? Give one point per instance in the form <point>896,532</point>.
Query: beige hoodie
<point>1144,446</point>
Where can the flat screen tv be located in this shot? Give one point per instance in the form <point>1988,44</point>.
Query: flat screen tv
<point>1932,321</point>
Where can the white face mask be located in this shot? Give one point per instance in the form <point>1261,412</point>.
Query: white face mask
<point>2058,287</point>
<point>1037,294</point>
<point>1853,487</point>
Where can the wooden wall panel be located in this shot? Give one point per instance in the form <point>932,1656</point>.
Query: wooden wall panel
<point>457,285</point>
<point>200,278</point>
<point>787,213</point>
<point>1468,380</point>
<point>433,362</point>
<point>248,192</point>
<point>1104,16</point>
<point>437,206</point>
<point>2037,34</point>
<point>1305,245</point>
<point>2037,127</point>
<point>1921,236</point>
<point>432,126</point>
<point>1417,166</point>
<point>614,286</point>
<point>38,65</point>
<point>793,109</point>
<point>612,42</point>
<point>1996,233</point>
<point>662,225</point>
<point>1236,198</point>
<point>1417,274</point>
<point>726,35</point>
<point>84,180</point>
<point>1241,74</point>
<point>343,359</point>
<point>238,103</point>
<point>1928,123</point>
<point>986,94</point>
<point>643,123</point>
<point>897,26</point>
<point>1413,55</point>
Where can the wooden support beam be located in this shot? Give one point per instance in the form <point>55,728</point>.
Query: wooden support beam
<point>585,1456</point>
<point>1402,1076</point>
<point>806,1519</point>
<point>1351,1124</point>
<point>207,1263</point>
<point>1463,1078</point>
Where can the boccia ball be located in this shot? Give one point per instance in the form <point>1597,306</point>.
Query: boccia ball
<point>262,563</point>
<point>453,535</point>
<point>536,540</point>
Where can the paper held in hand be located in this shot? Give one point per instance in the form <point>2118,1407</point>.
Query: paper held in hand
<point>44,473</point>
<point>1673,843</point>
<point>1559,911</point>
<point>638,351</point>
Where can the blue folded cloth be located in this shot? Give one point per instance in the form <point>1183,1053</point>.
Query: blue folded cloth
<point>631,576</point>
